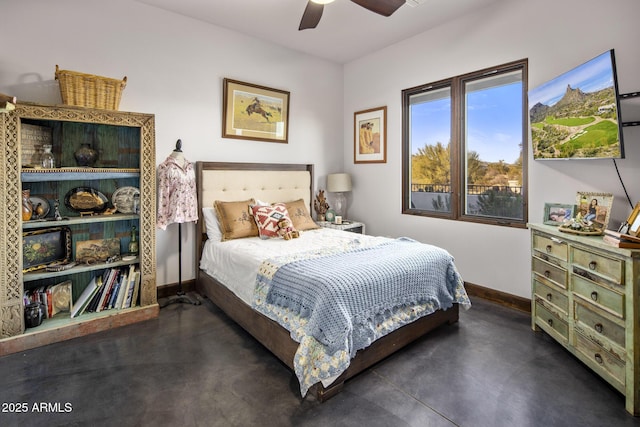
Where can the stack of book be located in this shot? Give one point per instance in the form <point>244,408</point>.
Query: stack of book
<point>116,289</point>
<point>620,240</point>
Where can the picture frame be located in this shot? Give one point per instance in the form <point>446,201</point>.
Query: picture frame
<point>370,135</point>
<point>595,208</point>
<point>97,251</point>
<point>44,247</point>
<point>557,213</point>
<point>633,222</point>
<point>254,112</point>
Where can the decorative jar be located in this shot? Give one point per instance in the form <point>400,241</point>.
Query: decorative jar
<point>27,206</point>
<point>47,161</point>
<point>85,155</point>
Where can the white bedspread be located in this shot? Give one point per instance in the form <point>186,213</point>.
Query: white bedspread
<point>235,263</point>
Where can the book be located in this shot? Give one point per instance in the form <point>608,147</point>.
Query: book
<point>129,299</point>
<point>136,289</point>
<point>619,240</point>
<point>128,294</point>
<point>84,298</point>
<point>124,281</point>
<point>104,301</point>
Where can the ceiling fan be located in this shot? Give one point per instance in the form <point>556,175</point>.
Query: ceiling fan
<point>313,11</point>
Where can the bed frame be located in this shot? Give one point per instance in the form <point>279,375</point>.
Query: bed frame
<point>284,182</point>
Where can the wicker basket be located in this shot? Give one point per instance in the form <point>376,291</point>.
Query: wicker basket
<point>87,90</point>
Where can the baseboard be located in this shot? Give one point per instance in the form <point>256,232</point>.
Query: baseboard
<point>499,297</point>
<point>171,289</point>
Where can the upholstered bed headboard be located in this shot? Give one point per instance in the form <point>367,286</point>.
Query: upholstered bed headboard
<point>240,181</point>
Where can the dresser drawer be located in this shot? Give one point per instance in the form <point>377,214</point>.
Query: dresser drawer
<point>551,246</point>
<point>549,271</point>
<point>593,262</point>
<point>551,295</point>
<point>551,323</point>
<point>602,361</point>
<point>600,296</point>
<point>599,328</point>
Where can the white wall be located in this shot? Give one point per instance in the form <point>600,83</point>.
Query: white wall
<point>174,66</point>
<point>555,36</point>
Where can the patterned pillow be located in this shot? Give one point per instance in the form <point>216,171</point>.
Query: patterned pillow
<point>267,218</point>
<point>235,219</point>
<point>300,215</point>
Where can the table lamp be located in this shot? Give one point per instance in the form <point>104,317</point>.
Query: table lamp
<point>339,183</point>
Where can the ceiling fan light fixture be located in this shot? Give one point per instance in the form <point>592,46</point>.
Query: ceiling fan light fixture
<point>322,1</point>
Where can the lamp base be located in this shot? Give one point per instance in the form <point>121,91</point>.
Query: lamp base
<point>341,205</point>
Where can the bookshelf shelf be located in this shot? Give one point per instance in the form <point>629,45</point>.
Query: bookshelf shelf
<point>125,143</point>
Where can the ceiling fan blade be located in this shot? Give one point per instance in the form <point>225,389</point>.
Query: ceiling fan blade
<point>311,16</point>
<point>382,7</point>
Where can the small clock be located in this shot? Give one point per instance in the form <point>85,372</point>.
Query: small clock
<point>330,215</point>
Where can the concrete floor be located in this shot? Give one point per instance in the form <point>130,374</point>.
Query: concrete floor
<point>194,367</point>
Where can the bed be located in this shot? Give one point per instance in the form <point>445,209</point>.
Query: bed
<point>244,277</point>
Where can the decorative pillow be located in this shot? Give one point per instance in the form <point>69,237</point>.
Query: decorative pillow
<point>211,224</point>
<point>235,219</point>
<point>299,215</point>
<point>268,217</point>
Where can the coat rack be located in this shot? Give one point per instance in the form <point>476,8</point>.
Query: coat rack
<point>181,296</point>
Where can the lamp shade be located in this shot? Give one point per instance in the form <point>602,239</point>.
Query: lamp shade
<point>338,182</point>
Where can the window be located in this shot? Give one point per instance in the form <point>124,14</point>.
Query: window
<point>464,147</point>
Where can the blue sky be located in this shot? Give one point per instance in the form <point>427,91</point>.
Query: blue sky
<point>494,123</point>
<point>594,75</point>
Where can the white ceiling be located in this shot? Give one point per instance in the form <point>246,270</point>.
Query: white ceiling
<point>346,30</point>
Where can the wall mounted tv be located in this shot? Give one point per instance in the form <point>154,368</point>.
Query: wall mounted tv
<point>577,114</point>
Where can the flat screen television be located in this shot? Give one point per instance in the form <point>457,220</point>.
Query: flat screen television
<point>576,115</point>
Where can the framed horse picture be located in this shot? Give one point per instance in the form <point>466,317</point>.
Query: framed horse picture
<point>254,112</point>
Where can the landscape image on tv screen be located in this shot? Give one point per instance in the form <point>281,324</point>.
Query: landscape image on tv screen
<point>575,115</point>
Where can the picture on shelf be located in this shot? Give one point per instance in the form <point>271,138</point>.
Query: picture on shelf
<point>93,251</point>
<point>43,247</point>
<point>595,208</point>
<point>591,215</point>
<point>557,213</point>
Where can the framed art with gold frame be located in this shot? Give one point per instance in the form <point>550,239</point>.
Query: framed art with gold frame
<point>254,112</point>
<point>370,136</point>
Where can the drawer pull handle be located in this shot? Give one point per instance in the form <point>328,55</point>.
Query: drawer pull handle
<point>547,274</point>
<point>549,296</point>
<point>594,296</point>
<point>549,248</point>
<point>598,327</point>
<point>550,322</point>
<point>592,265</point>
<point>598,358</point>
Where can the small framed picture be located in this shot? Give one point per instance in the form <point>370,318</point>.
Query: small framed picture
<point>557,213</point>
<point>594,208</point>
<point>43,247</point>
<point>370,136</point>
<point>254,112</point>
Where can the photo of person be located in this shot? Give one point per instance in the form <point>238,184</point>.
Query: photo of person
<point>557,214</point>
<point>594,209</point>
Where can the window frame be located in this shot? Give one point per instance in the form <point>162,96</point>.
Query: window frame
<point>457,146</point>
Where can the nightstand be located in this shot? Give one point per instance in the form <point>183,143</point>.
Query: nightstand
<point>352,226</point>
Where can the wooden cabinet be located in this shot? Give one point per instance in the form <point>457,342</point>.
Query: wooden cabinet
<point>585,296</point>
<point>125,146</point>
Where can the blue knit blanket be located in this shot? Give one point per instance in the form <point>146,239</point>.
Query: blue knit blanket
<point>344,294</point>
